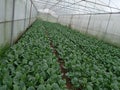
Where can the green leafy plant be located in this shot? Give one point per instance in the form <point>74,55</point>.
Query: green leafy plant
<point>30,64</point>
<point>91,64</point>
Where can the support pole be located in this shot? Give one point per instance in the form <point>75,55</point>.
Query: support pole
<point>107,26</point>
<point>47,17</point>
<point>12,25</point>
<point>30,14</point>
<point>5,6</point>
<point>88,24</point>
<point>108,21</point>
<point>58,19</point>
<point>25,14</point>
<point>71,21</point>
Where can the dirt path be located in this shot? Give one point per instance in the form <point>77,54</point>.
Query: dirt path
<point>62,64</point>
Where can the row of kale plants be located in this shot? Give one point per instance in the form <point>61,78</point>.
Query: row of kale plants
<point>30,64</point>
<point>91,64</point>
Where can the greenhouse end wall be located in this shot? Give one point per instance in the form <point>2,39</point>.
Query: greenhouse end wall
<point>47,17</point>
<point>15,18</point>
<point>105,27</point>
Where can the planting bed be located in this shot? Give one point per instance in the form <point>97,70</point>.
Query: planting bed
<point>50,56</point>
<point>90,64</point>
<point>30,64</point>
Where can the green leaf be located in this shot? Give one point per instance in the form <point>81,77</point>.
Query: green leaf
<point>15,87</point>
<point>48,87</point>
<point>31,88</point>
<point>55,86</point>
<point>89,87</point>
<point>41,80</point>
<point>31,63</point>
<point>22,85</point>
<point>37,76</point>
<point>75,82</point>
<point>4,87</point>
<point>41,87</point>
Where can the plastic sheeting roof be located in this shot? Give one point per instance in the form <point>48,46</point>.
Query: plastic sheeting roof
<point>60,7</point>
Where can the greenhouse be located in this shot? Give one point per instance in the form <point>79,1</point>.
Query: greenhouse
<point>59,45</point>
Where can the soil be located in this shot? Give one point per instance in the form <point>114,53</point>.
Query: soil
<point>63,70</point>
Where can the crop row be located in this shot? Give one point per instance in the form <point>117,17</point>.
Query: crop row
<point>30,64</point>
<point>91,64</point>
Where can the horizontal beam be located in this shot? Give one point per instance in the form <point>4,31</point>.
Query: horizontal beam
<point>92,14</point>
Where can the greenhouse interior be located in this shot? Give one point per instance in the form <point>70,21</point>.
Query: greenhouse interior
<point>59,45</point>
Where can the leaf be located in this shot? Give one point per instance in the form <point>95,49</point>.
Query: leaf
<point>25,61</point>
<point>31,88</point>
<point>31,63</point>
<point>41,87</point>
<point>22,85</point>
<point>55,86</point>
<point>75,82</point>
<point>89,87</point>
<point>15,87</point>
<point>37,76</point>
<point>41,80</point>
<point>4,87</point>
<point>7,80</point>
<point>45,66</point>
<point>48,87</point>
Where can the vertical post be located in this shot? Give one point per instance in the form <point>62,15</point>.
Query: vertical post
<point>47,17</point>
<point>71,21</point>
<point>107,26</point>
<point>5,6</point>
<point>35,7</point>
<point>25,14</point>
<point>36,15</point>
<point>108,21</point>
<point>12,26</point>
<point>88,24</point>
<point>30,14</point>
<point>57,19</point>
<point>78,21</point>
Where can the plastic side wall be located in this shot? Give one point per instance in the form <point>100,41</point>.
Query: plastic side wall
<point>105,27</point>
<point>24,15</point>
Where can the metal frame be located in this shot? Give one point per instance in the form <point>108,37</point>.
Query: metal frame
<point>90,8</point>
<point>87,7</point>
<point>62,6</point>
<point>69,7</point>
